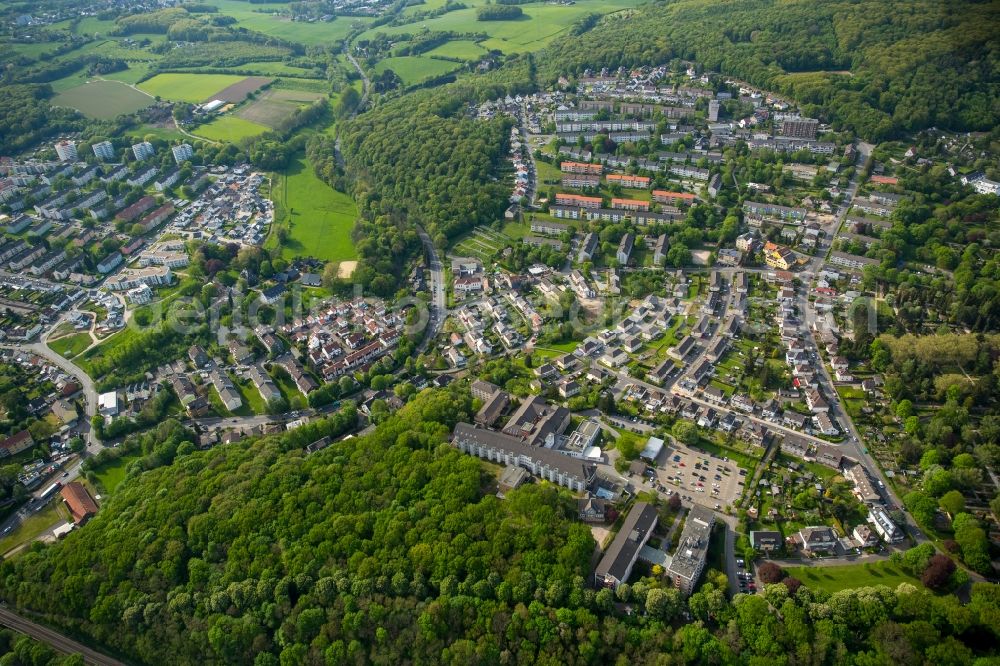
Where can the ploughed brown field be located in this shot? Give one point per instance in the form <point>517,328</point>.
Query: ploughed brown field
<point>239,91</point>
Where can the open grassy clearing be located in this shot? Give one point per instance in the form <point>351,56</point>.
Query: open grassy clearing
<point>103,99</point>
<point>541,24</point>
<point>464,49</point>
<point>832,579</point>
<point>70,345</point>
<point>230,129</point>
<point>194,88</point>
<point>259,17</point>
<point>112,474</point>
<point>319,218</point>
<point>414,69</point>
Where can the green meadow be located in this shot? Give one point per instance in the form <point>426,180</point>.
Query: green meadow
<point>319,219</point>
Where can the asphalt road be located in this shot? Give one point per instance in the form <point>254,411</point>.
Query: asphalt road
<point>54,639</point>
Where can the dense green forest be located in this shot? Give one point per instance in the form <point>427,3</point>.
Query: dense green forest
<point>421,160</point>
<point>391,548</point>
<point>877,67</point>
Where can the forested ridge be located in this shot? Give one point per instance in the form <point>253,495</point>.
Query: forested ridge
<point>878,67</point>
<point>421,160</point>
<point>391,548</point>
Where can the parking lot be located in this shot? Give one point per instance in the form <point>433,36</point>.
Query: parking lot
<point>700,477</point>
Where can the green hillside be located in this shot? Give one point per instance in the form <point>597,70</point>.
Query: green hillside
<point>875,66</point>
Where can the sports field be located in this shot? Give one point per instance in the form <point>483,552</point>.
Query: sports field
<point>229,129</point>
<point>414,69</point>
<point>103,99</point>
<point>194,88</point>
<point>319,218</point>
<point>541,24</point>
<point>464,49</point>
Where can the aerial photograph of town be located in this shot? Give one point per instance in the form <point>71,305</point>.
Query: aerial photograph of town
<point>500,332</point>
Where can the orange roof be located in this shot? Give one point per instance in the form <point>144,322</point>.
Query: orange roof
<point>80,503</point>
<point>885,180</point>
<point>672,195</point>
<point>639,202</point>
<point>577,197</point>
<point>618,176</point>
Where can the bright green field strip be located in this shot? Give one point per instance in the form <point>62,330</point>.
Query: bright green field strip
<point>459,48</point>
<point>414,69</point>
<point>541,24</point>
<point>833,579</point>
<point>320,217</point>
<point>194,88</point>
<point>267,68</point>
<point>70,345</point>
<point>103,99</point>
<point>260,17</point>
<point>230,129</point>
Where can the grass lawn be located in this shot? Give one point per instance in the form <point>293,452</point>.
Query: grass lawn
<point>291,393</point>
<point>70,345</point>
<point>112,474</point>
<point>252,399</point>
<point>36,524</point>
<point>103,99</point>
<point>194,88</point>
<point>832,579</point>
<point>458,48</point>
<point>548,174</point>
<point>230,129</point>
<point>319,218</point>
<point>414,69</point>
<point>516,230</point>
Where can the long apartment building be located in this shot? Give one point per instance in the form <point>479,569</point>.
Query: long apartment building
<point>580,180</point>
<point>542,462</point>
<point>580,201</point>
<point>673,198</point>
<point>616,565</point>
<point>630,204</point>
<point>626,180</point>
<point>582,167</point>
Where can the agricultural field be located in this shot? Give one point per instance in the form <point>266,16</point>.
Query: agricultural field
<point>194,88</point>
<point>463,49</point>
<point>240,90</point>
<point>319,219</point>
<point>414,69</point>
<point>259,17</point>
<point>103,99</point>
<point>541,24</point>
<point>271,107</point>
<point>230,129</point>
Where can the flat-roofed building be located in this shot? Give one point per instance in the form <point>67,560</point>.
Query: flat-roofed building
<point>692,549</point>
<point>572,473</point>
<point>616,565</point>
